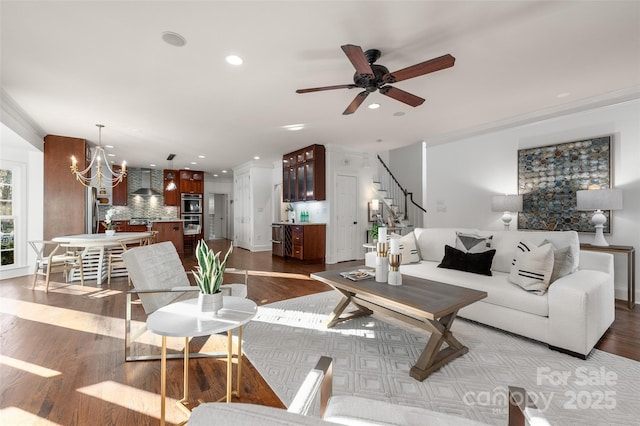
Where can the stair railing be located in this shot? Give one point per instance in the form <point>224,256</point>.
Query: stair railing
<point>395,191</point>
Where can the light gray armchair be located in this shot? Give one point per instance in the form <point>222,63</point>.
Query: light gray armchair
<point>347,409</point>
<point>158,279</point>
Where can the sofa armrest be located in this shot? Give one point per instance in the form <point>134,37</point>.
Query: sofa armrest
<point>595,260</point>
<point>318,379</point>
<point>581,307</point>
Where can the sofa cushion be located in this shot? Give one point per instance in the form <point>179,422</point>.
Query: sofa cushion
<point>505,243</point>
<point>499,290</point>
<point>431,241</point>
<point>408,249</point>
<point>476,263</point>
<point>472,243</point>
<point>532,267</point>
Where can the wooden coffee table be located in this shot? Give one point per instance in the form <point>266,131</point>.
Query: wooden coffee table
<point>427,304</point>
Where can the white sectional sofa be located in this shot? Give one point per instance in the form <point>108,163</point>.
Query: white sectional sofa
<point>571,316</point>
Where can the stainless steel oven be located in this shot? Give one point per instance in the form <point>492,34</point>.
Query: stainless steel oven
<point>192,220</point>
<point>191,203</point>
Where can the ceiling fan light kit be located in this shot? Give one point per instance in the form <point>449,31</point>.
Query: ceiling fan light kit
<point>372,77</point>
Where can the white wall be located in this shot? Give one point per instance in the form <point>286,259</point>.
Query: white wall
<point>28,162</point>
<point>462,176</point>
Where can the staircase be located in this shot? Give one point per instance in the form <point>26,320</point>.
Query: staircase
<point>396,202</point>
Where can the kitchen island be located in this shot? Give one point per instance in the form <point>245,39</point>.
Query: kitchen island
<point>170,230</point>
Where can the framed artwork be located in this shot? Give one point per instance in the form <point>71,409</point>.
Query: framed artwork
<point>373,214</point>
<point>549,176</point>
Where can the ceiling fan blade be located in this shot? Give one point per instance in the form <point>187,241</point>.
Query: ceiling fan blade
<point>357,58</point>
<point>422,68</point>
<point>402,96</point>
<point>319,89</point>
<point>353,106</point>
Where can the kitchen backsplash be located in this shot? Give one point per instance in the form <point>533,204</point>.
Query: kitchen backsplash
<point>140,207</point>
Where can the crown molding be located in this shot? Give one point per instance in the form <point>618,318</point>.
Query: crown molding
<point>15,118</point>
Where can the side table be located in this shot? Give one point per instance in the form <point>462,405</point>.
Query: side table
<point>631,266</point>
<point>182,319</point>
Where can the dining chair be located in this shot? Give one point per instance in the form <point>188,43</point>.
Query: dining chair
<point>50,259</point>
<point>115,255</point>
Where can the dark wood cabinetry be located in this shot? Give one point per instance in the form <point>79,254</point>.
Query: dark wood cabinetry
<point>170,231</point>
<point>119,192</point>
<point>171,193</point>
<point>303,175</point>
<point>64,197</point>
<point>305,242</point>
<point>191,182</point>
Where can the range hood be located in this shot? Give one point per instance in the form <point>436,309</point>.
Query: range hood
<point>145,189</point>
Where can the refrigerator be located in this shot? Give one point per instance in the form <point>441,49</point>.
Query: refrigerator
<point>91,211</point>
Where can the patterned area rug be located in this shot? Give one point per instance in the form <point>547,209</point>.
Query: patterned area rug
<point>372,358</point>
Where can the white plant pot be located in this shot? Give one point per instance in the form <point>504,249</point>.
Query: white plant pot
<point>210,303</point>
<point>110,232</point>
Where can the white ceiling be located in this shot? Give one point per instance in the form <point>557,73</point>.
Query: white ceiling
<point>70,65</point>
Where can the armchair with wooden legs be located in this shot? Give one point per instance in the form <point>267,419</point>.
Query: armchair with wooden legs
<point>50,258</point>
<point>158,279</point>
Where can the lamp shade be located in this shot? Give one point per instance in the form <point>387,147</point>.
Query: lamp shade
<point>506,203</point>
<point>599,199</point>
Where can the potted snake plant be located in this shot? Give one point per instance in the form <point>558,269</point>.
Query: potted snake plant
<point>208,276</point>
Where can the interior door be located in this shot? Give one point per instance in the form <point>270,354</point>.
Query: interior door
<point>220,216</point>
<point>347,218</point>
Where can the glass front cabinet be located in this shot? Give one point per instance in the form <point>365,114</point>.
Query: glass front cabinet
<point>303,175</point>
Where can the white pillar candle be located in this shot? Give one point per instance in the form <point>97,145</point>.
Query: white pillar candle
<point>394,246</point>
<point>382,234</point>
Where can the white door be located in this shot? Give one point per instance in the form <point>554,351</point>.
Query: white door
<point>220,217</point>
<point>347,218</point>
<point>243,211</point>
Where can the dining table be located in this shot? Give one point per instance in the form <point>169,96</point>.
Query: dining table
<point>95,253</point>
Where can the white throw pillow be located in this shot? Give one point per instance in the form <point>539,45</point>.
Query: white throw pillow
<point>408,249</point>
<point>472,243</point>
<point>532,267</point>
<point>562,261</point>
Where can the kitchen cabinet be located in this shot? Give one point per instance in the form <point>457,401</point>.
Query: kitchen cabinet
<point>171,196</point>
<point>170,231</point>
<point>119,194</point>
<point>304,175</point>
<point>305,242</point>
<point>64,206</point>
<point>191,182</point>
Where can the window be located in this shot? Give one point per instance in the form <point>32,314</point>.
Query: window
<point>7,220</point>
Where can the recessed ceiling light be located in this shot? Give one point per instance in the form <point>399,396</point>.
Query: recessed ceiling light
<point>200,156</point>
<point>224,171</point>
<point>187,168</point>
<point>215,175</point>
<point>374,106</point>
<point>294,127</point>
<point>256,157</point>
<point>152,165</point>
<point>398,114</point>
<point>234,60</point>
<point>111,155</point>
<point>562,95</point>
<point>109,146</point>
<point>174,39</point>
<point>378,140</point>
<point>194,163</point>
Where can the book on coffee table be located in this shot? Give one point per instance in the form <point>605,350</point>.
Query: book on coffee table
<point>359,275</point>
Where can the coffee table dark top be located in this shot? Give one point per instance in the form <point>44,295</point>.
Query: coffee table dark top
<point>416,296</point>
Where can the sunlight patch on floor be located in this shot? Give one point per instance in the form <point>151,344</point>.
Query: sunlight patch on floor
<point>280,275</point>
<point>28,367</point>
<point>67,288</point>
<point>128,396</point>
<point>63,317</point>
<point>17,416</point>
<point>308,320</point>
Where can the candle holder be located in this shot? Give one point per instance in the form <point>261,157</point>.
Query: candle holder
<point>382,262</point>
<point>395,277</point>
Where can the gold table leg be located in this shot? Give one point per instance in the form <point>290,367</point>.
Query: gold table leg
<point>163,379</point>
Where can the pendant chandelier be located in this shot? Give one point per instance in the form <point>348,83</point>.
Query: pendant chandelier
<point>171,186</point>
<point>94,175</point>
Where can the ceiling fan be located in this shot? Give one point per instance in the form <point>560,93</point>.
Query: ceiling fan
<point>371,76</point>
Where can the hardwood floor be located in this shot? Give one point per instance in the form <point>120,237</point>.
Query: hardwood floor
<point>62,353</point>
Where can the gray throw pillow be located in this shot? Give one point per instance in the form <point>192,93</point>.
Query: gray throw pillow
<point>562,261</point>
<point>472,243</point>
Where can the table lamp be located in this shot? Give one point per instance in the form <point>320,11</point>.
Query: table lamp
<point>506,204</point>
<point>599,200</point>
